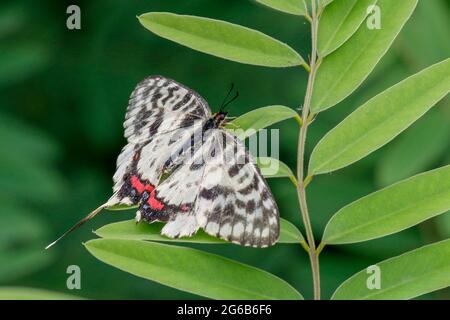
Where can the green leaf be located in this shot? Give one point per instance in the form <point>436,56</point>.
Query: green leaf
<point>324,3</point>
<point>255,120</point>
<point>403,277</point>
<point>382,248</point>
<point>296,7</point>
<point>222,39</point>
<point>129,230</point>
<point>430,135</point>
<point>274,168</point>
<point>381,119</point>
<point>24,293</point>
<point>339,22</point>
<point>392,209</point>
<point>345,69</point>
<point>289,233</point>
<point>191,270</point>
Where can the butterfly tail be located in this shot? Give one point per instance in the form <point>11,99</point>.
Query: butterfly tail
<point>79,224</point>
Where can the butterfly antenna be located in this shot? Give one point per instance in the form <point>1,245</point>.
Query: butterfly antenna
<point>234,98</point>
<point>224,103</point>
<point>79,224</point>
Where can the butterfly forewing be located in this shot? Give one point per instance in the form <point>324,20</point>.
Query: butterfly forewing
<point>158,104</point>
<point>160,113</point>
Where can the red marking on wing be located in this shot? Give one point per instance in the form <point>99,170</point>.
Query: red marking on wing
<point>155,203</point>
<point>184,208</point>
<point>139,186</point>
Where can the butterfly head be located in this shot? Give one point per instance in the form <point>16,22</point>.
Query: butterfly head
<point>219,117</point>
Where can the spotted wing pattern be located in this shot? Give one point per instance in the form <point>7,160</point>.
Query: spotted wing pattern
<point>220,190</point>
<point>234,201</point>
<point>177,172</point>
<point>179,192</point>
<point>181,167</point>
<point>161,112</point>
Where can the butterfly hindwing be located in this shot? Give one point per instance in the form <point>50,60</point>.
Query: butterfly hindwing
<point>234,201</point>
<point>180,190</point>
<point>221,190</point>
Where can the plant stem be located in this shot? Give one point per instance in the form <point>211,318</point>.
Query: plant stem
<point>301,189</point>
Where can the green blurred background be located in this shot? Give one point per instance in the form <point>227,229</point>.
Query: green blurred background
<point>63,96</point>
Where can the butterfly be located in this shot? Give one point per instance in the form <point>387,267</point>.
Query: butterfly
<point>182,167</point>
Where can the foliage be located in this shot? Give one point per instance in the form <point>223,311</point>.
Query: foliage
<point>129,231</point>
<point>26,293</point>
<point>63,96</point>
<point>344,62</point>
<point>430,272</point>
<point>173,266</point>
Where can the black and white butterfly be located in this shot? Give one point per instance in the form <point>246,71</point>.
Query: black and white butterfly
<point>182,167</point>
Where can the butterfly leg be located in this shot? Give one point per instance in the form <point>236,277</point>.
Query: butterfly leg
<point>231,124</point>
<point>138,217</point>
